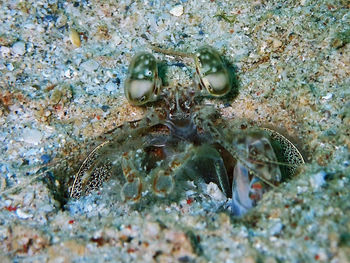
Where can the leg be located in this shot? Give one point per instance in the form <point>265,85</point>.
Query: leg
<point>163,181</point>
<point>132,189</point>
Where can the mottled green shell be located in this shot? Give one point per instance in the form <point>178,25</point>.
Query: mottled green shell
<point>142,84</point>
<point>212,71</point>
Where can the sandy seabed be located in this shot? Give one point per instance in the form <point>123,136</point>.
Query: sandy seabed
<point>62,71</point>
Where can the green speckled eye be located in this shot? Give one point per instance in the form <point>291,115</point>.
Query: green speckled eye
<point>212,72</point>
<point>142,84</point>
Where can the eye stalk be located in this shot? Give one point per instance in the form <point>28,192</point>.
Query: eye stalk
<point>212,73</point>
<point>143,83</point>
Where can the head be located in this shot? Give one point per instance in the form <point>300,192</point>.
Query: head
<point>180,116</point>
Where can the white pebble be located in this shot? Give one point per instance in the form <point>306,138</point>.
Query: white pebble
<point>5,51</point>
<point>328,96</point>
<point>23,215</point>
<point>275,228</point>
<point>3,183</point>
<point>301,189</point>
<point>28,198</point>
<point>318,180</point>
<point>19,48</point>
<point>277,43</point>
<point>152,229</point>
<point>177,10</point>
<point>32,136</point>
<point>214,192</point>
<point>10,67</point>
<point>98,234</point>
<point>116,38</point>
<point>7,202</point>
<point>46,208</point>
<point>90,65</point>
<point>111,87</point>
<point>68,73</point>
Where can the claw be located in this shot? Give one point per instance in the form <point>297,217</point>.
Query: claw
<point>208,165</point>
<point>254,174</point>
<point>163,183</point>
<point>132,190</point>
<point>246,193</point>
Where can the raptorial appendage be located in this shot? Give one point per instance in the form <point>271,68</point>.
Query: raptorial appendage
<point>256,171</point>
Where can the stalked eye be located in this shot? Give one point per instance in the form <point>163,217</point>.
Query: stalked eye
<point>142,84</point>
<point>212,72</point>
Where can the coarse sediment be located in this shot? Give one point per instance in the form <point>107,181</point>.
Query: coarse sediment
<point>58,93</point>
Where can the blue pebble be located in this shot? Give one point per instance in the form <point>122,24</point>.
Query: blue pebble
<point>105,108</point>
<point>45,158</point>
<point>50,18</point>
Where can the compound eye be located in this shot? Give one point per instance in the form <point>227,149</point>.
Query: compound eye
<point>213,74</point>
<point>142,82</point>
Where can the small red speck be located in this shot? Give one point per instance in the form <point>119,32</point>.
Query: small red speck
<point>239,11</point>
<point>57,107</point>
<point>257,186</point>
<point>131,250</point>
<point>158,152</point>
<point>306,238</point>
<point>25,248</point>
<point>71,221</point>
<point>317,257</point>
<point>254,196</point>
<point>100,241</point>
<point>129,227</point>
<point>83,35</point>
<point>98,117</point>
<point>11,208</point>
<point>189,201</point>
